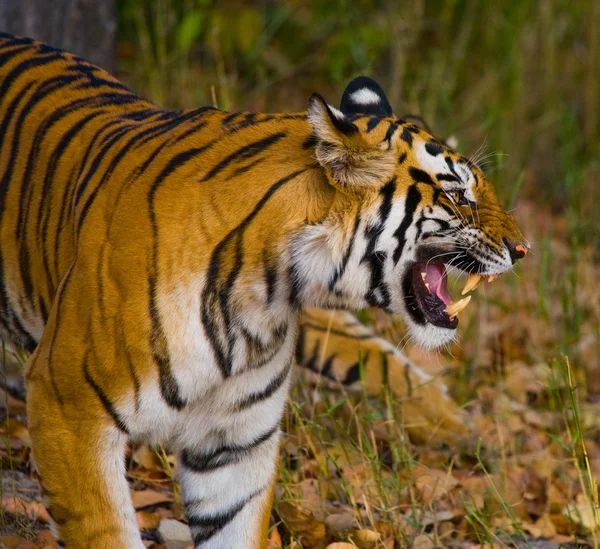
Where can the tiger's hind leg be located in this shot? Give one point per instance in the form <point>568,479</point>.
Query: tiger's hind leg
<point>80,455</point>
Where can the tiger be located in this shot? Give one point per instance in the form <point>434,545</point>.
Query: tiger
<point>156,265</point>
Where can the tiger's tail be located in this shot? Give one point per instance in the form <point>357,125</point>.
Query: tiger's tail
<point>339,349</point>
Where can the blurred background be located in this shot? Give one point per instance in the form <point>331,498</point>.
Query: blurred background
<point>517,82</point>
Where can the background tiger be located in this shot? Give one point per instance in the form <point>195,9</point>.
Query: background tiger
<point>156,263</point>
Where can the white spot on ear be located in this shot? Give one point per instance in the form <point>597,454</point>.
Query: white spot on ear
<point>338,114</point>
<point>365,96</point>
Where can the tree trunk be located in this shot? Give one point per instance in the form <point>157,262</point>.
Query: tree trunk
<point>84,27</point>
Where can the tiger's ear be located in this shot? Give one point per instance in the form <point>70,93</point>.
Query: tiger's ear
<point>352,164</point>
<point>364,96</point>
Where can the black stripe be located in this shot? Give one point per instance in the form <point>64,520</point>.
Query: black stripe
<point>217,292</point>
<point>333,331</point>
<point>11,320</point>
<point>373,123</point>
<point>24,66</point>
<point>270,276</point>
<point>123,151</point>
<point>104,147</point>
<point>6,56</point>
<point>170,124</point>
<point>243,169</point>
<point>407,136</point>
<point>65,213</point>
<point>168,384</point>
<point>26,193</point>
<point>46,202</point>
<point>378,294</point>
<point>448,209</point>
<point>420,176</point>
<point>433,148</point>
<point>244,153</point>
<point>446,177</point>
<point>108,406</point>
<point>116,135</point>
<point>224,455</point>
<point>258,352</point>
<point>59,305</point>
<point>313,360</point>
<point>299,351</point>
<point>248,121</point>
<point>12,39</point>
<point>341,269</point>
<point>296,286</point>
<point>353,373</point>
<point>326,369</point>
<point>413,197</point>
<point>191,131</point>
<point>310,142</point>
<point>390,132</point>
<point>204,528</point>
<point>269,390</point>
<point>230,117</point>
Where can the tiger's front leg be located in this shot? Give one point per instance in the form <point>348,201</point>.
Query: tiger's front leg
<point>228,478</point>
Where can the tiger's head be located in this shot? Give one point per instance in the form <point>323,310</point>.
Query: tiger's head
<point>406,208</point>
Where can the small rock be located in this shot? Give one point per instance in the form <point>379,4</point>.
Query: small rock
<point>338,524</point>
<point>341,545</point>
<point>175,534</point>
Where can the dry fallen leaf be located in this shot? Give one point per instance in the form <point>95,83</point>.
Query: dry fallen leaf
<point>433,483</point>
<point>366,539</point>
<point>18,430</point>
<point>303,526</point>
<point>14,505</point>
<point>47,540</point>
<point>37,511</point>
<point>146,498</point>
<point>145,458</point>
<point>147,520</point>
<point>11,541</point>
<point>582,514</point>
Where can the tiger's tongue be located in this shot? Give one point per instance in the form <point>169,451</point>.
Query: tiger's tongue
<point>435,277</point>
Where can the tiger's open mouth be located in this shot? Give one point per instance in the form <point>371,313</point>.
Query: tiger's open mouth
<point>427,296</point>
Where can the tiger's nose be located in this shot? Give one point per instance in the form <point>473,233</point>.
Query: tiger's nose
<point>516,250</point>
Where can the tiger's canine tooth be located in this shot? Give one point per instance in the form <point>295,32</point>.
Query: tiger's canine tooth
<point>456,307</point>
<point>423,275</point>
<point>473,280</point>
<point>491,278</point>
